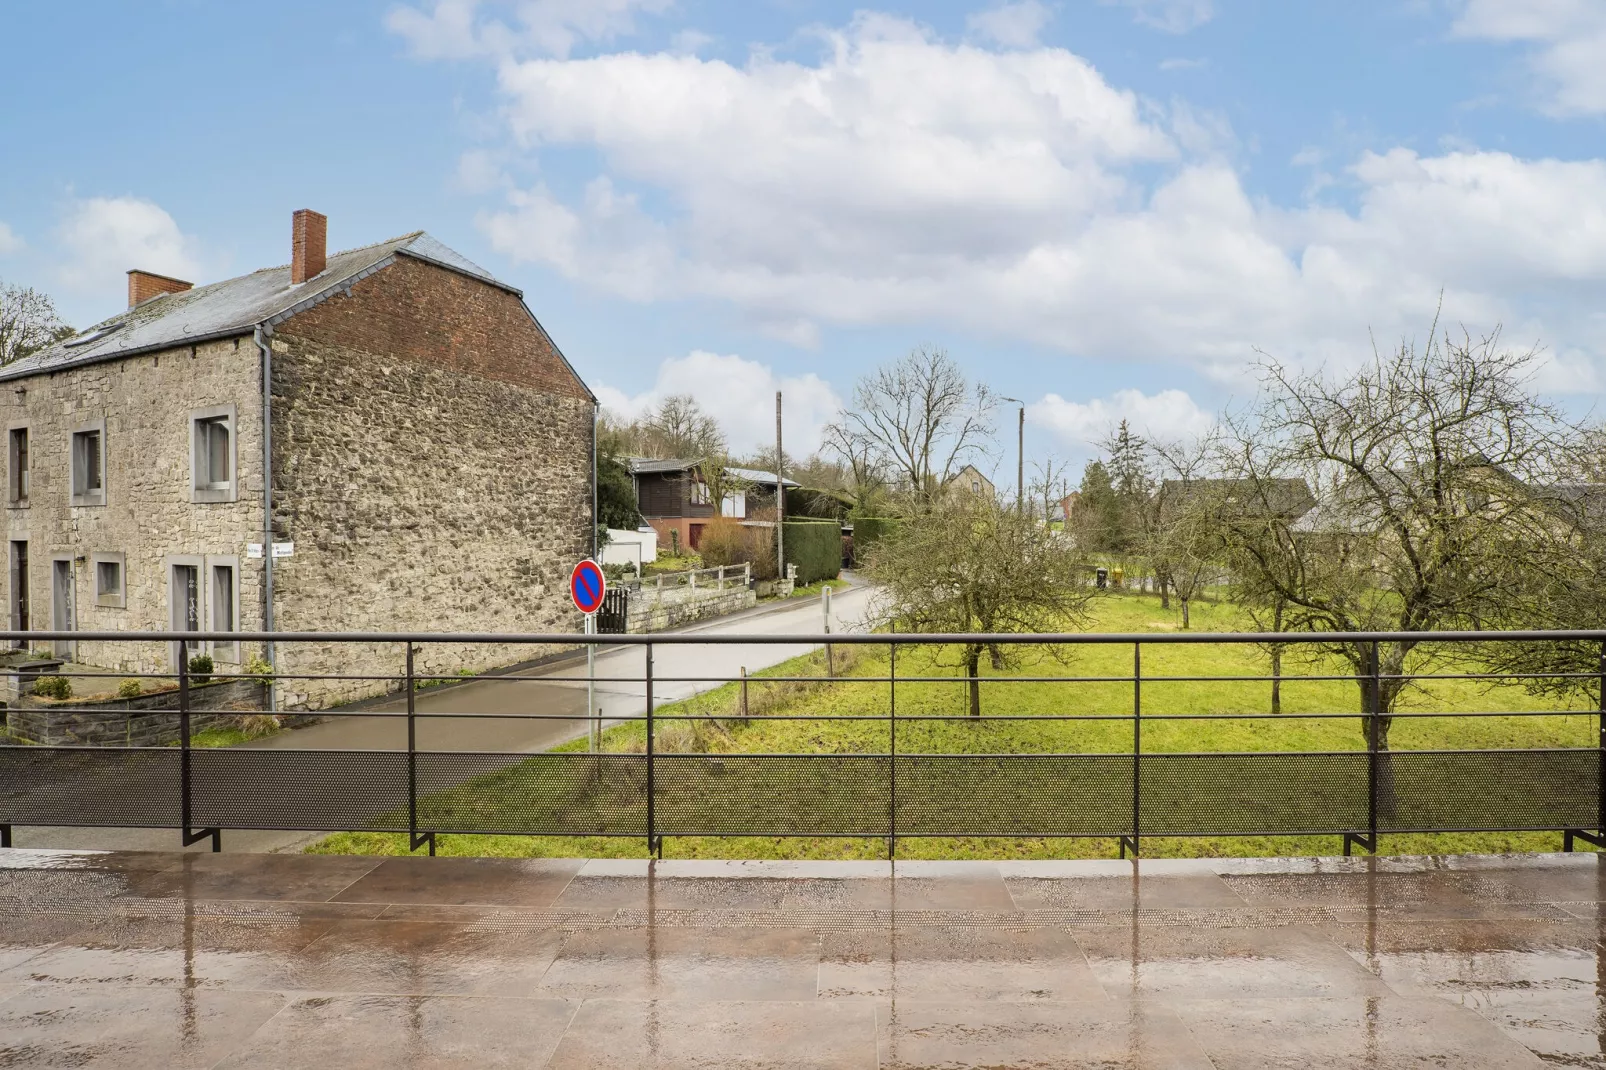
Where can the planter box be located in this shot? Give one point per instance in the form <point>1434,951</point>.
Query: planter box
<point>151,720</point>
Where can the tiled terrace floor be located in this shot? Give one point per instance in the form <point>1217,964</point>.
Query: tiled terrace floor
<point>166,960</point>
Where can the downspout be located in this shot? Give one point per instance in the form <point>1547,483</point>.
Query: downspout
<point>594,520</point>
<point>260,337</point>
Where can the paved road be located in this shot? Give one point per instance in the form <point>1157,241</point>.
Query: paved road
<point>456,717</point>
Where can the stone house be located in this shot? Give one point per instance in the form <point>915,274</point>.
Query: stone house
<point>969,480</point>
<point>383,439</point>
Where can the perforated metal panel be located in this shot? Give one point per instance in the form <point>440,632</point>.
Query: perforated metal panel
<point>771,795</point>
<point>1237,794</point>
<point>1015,795</point>
<point>1489,790</point>
<point>118,786</point>
<point>299,789</point>
<point>533,794</point>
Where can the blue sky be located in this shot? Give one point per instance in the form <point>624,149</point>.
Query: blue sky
<point>1105,207</point>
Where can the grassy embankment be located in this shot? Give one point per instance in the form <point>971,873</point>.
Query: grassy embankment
<point>516,788</point>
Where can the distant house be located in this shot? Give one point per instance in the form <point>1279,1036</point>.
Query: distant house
<point>969,480</point>
<point>677,498</point>
<point>1289,499</point>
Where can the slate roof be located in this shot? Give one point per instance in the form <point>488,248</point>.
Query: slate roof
<point>652,466</point>
<point>752,475</point>
<point>234,306</point>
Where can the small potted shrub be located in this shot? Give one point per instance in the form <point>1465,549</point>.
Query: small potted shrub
<point>201,669</point>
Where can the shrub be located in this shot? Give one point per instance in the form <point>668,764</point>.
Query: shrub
<point>58,687</point>
<point>201,669</point>
<point>815,547</point>
<point>130,688</point>
<point>257,666</point>
<point>867,530</point>
<point>729,542</point>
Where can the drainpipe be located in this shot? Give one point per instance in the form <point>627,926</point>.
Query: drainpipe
<point>260,337</point>
<point>594,409</point>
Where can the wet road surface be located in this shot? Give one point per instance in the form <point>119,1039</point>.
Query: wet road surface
<point>170,960</point>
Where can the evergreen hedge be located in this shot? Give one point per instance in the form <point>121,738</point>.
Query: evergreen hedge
<point>815,547</point>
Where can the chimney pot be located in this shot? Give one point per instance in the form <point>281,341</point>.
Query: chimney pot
<point>309,240</point>
<point>144,285</point>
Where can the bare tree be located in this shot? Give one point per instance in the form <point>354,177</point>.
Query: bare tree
<point>1183,520</point>
<point>866,478</point>
<point>679,427</point>
<point>973,566</point>
<point>1052,483</point>
<point>920,420</point>
<point>28,322</point>
<point>1435,473</point>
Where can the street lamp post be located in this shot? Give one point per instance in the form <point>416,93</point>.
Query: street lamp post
<point>1020,457</point>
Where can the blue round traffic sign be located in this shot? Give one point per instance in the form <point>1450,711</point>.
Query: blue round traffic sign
<point>587,585</point>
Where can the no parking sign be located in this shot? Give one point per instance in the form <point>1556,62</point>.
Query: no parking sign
<point>587,585</point>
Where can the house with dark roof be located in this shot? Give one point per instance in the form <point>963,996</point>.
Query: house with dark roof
<point>379,439</point>
<point>676,497</point>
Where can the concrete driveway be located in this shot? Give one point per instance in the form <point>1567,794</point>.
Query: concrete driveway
<point>493,715</point>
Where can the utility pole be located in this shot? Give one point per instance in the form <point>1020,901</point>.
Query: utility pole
<point>780,499</point>
<point>1020,458</point>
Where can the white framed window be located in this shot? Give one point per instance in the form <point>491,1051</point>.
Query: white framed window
<point>17,465</point>
<point>88,459</point>
<point>699,493</point>
<point>214,454</point>
<point>111,580</point>
<point>185,604</point>
<point>223,605</point>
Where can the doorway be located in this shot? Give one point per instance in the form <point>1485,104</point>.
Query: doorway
<point>184,598</point>
<point>63,610</point>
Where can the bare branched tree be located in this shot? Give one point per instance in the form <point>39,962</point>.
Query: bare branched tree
<point>28,322</point>
<point>1182,533</point>
<point>1438,507</point>
<point>1050,484</point>
<point>919,420</point>
<point>972,565</point>
<point>682,429</point>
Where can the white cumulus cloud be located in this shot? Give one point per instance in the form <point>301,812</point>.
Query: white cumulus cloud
<point>1165,416</point>
<point>900,179</point>
<point>1566,40</point>
<point>461,29</point>
<point>1013,25</point>
<point>105,237</point>
<point>740,394</point>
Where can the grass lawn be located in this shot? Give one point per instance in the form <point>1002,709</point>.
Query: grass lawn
<point>766,731</point>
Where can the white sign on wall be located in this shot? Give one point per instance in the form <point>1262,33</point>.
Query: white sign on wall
<point>284,549</point>
<point>253,550</point>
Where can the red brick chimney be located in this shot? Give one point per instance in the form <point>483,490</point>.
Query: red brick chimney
<point>309,241</point>
<point>144,285</point>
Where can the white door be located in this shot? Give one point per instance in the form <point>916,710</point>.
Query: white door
<point>63,615</point>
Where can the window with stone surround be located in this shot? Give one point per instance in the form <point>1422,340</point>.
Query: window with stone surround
<point>111,582</point>
<point>223,580</point>
<point>213,455</point>
<point>17,466</point>
<point>88,459</point>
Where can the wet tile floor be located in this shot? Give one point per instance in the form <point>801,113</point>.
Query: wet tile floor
<point>283,961</point>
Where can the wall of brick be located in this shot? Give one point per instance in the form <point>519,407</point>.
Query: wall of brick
<point>146,402</point>
<point>432,464</point>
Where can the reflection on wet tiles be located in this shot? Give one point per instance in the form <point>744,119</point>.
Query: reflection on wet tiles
<point>956,964</point>
<point>25,936</point>
<point>1427,894</point>
<point>1203,963</point>
<point>632,1034</point>
<point>524,882</point>
<point>970,890</point>
<point>188,953</point>
<point>273,877</point>
<point>717,964</point>
<point>1203,891</point>
<point>1543,984</point>
<point>1326,1034</point>
<point>381,1032</point>
<point>127,1028</point>
<point>419,958</point>
<point>1042,1036</point>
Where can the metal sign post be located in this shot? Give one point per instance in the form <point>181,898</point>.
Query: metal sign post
<point>588,585</point>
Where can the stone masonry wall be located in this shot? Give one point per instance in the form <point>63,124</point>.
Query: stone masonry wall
<point>432,464</point>
<point>146,402</point>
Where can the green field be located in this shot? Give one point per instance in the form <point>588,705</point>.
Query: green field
<point>766,731</point>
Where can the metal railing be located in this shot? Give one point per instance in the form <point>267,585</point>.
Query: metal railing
<point>879,764</point>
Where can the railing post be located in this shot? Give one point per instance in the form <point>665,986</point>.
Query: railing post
<point>414,840</point>
<point>744,692</point>
<point>1137,751</point>
<point>1600,782</point>
<point>190,835</point>
<point>654,844</point>
<point>892,747</point>
<point>721,577</point>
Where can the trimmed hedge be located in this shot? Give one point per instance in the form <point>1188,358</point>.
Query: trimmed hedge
<point>815,547</point>
<point>868,529</point>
